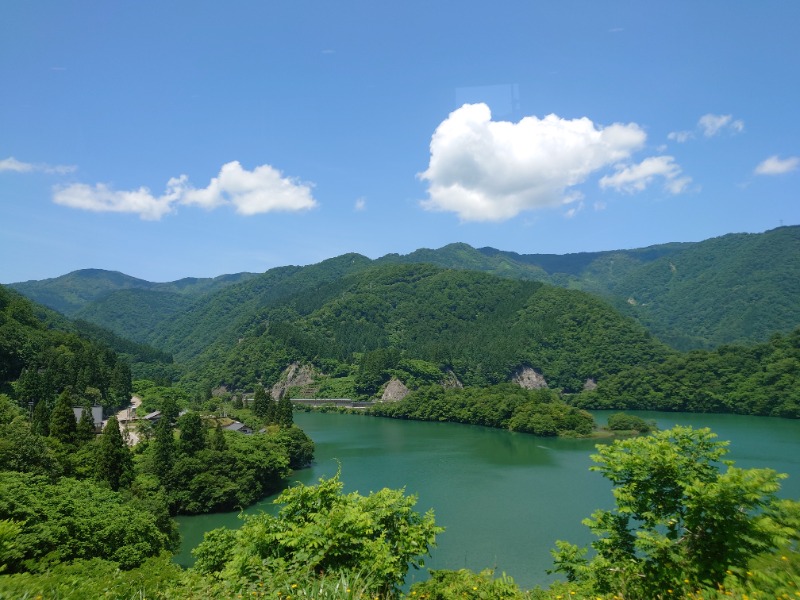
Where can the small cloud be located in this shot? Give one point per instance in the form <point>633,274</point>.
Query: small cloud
<point>635,178</point>
<point>598,206</point>
<point>711,125</point>
<point>486,170</point>
<point>777,166</point>
<point>262,190</point>
<point>361,204</point>
<point>574,210</point>
<point>680,136</point>
<point>17,166</point>
<point>616,30</point>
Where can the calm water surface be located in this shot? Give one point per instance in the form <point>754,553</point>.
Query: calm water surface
<point>504,498</point>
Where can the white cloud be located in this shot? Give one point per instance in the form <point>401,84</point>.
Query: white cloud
<point>101,198</point>
<point>12,164</point>
<point>635,178</point>
<point>708,126</point>
<point>777,166</point>
<point>680,136</point>
<point>486,170</point>
<point>361,204</point>
<point>262,190</point>
<point>711,125</point>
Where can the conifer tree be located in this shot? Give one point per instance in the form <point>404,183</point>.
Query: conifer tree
<point>284,415</point>
<point>85,430</point>
<point>114,460</point>
<point>218,442</point>
<point>63,425</point>
<point>40,421</point>
<point>164,450</point>
<point>271,415</point>
<point>193,435</point>
<point>260,406</point>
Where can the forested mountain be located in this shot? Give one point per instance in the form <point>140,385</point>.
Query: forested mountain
<point>730,289</point>
<point>422,319</point>
<point>44,360</point>
<point>71,292</point>
<point>735,288</point>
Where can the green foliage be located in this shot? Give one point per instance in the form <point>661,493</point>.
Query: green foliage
<point>71,519</point>
<point>506,406</point>
<point>323,530</point>
<point>114,460</point>
<point>298,445</point>
<point>283,412</point>
<point>85,431</point>
<point>679,520</point>
<point>193,433</point>
<point>9,532</point>
<point>156,578</point>
<point>63,426</point>
<point>759,380</point>
<point>623,422</point>
<point>21,449</point>
<point>465,584</point>
<point>260,402</point>
<point>231,470</point>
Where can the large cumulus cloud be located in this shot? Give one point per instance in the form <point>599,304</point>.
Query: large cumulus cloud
<point>486,170</point>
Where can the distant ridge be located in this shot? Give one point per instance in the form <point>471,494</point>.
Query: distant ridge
<point>739,287</point>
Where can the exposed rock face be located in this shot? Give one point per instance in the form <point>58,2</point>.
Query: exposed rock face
<point>295,375</point>
<point>590,384</point>
<point>527,378</point>
<point>394,391</point>
<point>450,381</point>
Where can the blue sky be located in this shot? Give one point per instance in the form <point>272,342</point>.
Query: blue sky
<point>174,139</point>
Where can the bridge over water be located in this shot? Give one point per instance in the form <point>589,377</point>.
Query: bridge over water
<point>344,402</point>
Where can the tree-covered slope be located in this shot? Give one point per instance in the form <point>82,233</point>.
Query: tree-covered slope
<point>735,288</point>
<point>224,314</point>
<point>43,359</point>
<point>759,379</point>
<point>137,314</point>
<point>69,293</point>
<point>481,327</point>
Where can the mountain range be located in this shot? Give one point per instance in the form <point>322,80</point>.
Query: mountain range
<point>736,288</point>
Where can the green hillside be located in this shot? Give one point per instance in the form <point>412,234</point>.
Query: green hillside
<point>737,288</point>
<point>70,293</point>
<point>43,358</point>
<point>480,327</point>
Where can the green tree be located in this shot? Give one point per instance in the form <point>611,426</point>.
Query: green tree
<point>678,518</point>
<point>40,420</point>
<point>85,431</point>
<point>114,460</point>
<point>283,412</point>
<point>63,425</point>
<point>260,407</point>
<point>271,414</point>
<point>164,456</point>
<point>320,529</point>
<point>193,433</point>
<point>69,519</point>
<point>218,443</point>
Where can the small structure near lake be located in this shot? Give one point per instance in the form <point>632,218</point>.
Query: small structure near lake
<point>239,427</point>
